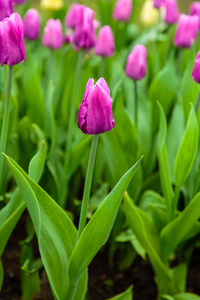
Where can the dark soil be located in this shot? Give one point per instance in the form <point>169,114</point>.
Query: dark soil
<point>103,282</point>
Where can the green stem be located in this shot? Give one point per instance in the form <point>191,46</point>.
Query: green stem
<point>71,291</point>
<point>5,124</point>
<point>175,201</point>
<point>136,102</point>
<point>197,103</point>
<point>102,66</point>
<point>49,66</point>
<point>73,110</point>
<point>87,187</point>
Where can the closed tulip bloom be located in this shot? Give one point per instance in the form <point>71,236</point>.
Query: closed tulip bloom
<point>72,15</point>
<point>84,33</point>
<point>122,10</point>
<point>53,37</point>
<point>51,4</point>
<point>171,11</point>
<point>196,69</point>
<point>195,10</point>
<point>6,8</point>
<point>136,63</point>
<point>32,24</point>
<point>187,29</point>
<point>105,42</point>
<point>12,40</point>
<point>157,3</point>
<point>95,112</point>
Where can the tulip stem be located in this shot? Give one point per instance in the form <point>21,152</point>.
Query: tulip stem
<point>197,103</point>
<point>136,102</point>
<point>175,201</point>
<point>102,66</point>
<point>87,187</point>
<point>73,110</point>
<point>5,125</point>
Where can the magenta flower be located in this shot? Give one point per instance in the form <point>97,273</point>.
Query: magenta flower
<point>32,24</point>
<point>195,10</point>
<point>95,112</point>
<point>157,3</point>
<point>196,69</point>
<point>53,37</point>
<point>122,10</point>
<point>136,63</point>
<point>171,11</point>
<point>72,15</point>
<point>12,40</point>
<point>84,33</point>
<point>186,32</point>
<point>105,45</point>
<point>6,8</point>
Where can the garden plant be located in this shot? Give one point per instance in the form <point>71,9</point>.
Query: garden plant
<point>99,142</point>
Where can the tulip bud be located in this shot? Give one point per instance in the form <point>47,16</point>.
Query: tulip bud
<point>196,69</point>
<point>6,9</point>
<point>122,10</point>
<point>171,11</point>
<point>32,24</point>
<point>105,42</point>
<point>52,4</point>
<point>53,37</point>
<point>149,15</point>
<point>136,63</point>
<point>157,3</point>
<point>84,34</point>
<point>72,15</point>
<point>19,1</point>
<point>95,112</point>
<point>12,40</point>
<point>195,10</point>
<point>186,32</point>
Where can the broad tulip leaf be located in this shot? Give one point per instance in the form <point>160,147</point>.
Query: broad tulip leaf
<point>186,296</point>
<point>127,295</point>
<point>174,232</point>
<point>55,232</point>
<point>98,228</point>
<point>164,161</point>
<point>147,235</point>
<point>36,165</point>
<point>187,150</point>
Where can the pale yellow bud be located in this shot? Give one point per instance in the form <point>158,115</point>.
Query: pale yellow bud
<point>149,15</point>
<point>51,4</point>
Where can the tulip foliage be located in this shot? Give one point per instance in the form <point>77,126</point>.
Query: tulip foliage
<point>99,135</point>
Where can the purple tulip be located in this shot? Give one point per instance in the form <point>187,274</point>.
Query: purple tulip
<point>195,10</point>
<point>53,37</point>
<point>157,3</point>
<point>122,10</point>
<point>95,112</point>
<point>196,69</point>
<point>72,15</point>
<point>84,33</point>
<point>186,32</point>
<point>12,40</point>
<point>6,8</point>
<point>136,63</point>
<point>105,42</point>
<point>171,11</point>
<point>32,24</point>
<point>19,1</point>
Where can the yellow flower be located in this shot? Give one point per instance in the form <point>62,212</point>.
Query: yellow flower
<point>51,4</point>
<point>149,15</point>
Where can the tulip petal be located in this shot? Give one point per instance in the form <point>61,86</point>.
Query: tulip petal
<point>104,85</point>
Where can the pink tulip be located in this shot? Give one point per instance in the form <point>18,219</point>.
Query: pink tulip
<point>12,40</point>
<point>53,37</point>
<point>196,69</point>
<point>122,10</point>
<point>195,10</point>
<point>171,11</point>
<point>157,3</point>
<point>95,112</point>
<point>136,63</point>
<point>105,42</point>
<point>32,24</point>
<point>6,8</point>
<point>72,15</point>
<point>186,32</point>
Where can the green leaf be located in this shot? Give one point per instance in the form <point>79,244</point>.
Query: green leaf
<point>174,232</point>
<point>186,296</point>
<point>36,165</point>
<point>187,150</point>
<point>55,232</point>
<point>1,275</point>
<point>127,295</point>
<point>147,235</point>
<point>98,228</point>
